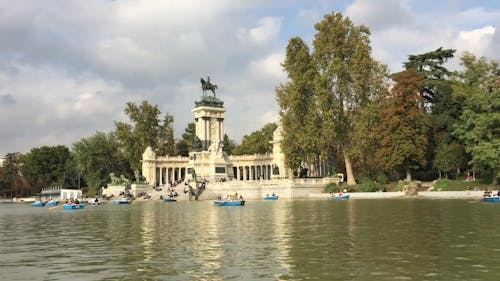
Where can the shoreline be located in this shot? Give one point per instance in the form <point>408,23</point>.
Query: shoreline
<point>475,195</point>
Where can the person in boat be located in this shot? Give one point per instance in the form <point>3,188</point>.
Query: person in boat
<point>76,201</point>
<point>274,194</point>
<point>498,193</point>
<point>96,200</point>
<point>241,197</point>
<point>486,193</point>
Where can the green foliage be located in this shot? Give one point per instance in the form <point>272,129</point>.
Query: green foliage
<point>166,143</point>
<point>382,178</point>
<point>430,66</point>
<point>367,185</point>
<point>228,145</point>
<point>48,166</point>
<point>454,185</point>
<point>185,145</point>
<point>479,128</point>
<point>98,156</point>
<point>299,117</point>
<point>345,84</point>
<point>12,183</point>
<point>145,130</point>
<point>257,142</point>
<point>450,157</point>
<point>332,188</point>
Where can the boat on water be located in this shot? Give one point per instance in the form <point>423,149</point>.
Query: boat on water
<point>340,197</point>
<point>169,200</point>
<point>73,207</point>
<point>272,197</point>
<point>495,199</point>
<point>37,204</point>
<point>229,203</point>
<point>122,202</point>
<point>51,203</point>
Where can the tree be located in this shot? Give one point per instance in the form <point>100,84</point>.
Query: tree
<point>344,84</point>
<point>257,142</point>
<point>429,65</point>
<point>12,183</point>
<point>299,118</point>
<point>48,166</point>
<point>450,157</point>
<point>166,142</point>
<point>479,129</point>
<point>403,126</point>
<point>437,99</point>
<point>228,145</point>
<point>185,145</point>
<point>145,130</point>
<point>98,156</point>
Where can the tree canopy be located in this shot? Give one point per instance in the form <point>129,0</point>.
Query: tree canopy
<point>257,142</point>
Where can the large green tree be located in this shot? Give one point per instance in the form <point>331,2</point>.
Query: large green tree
<point>12,183</point>
<point>48,166</point>
<point>96,157</point>
<point>479,129</point>
<point>442,107</point>
<point>299,117</point>
<point>257,142</point>
<point>403,127</point>
<point>344,83</point>
<point>144,130</point>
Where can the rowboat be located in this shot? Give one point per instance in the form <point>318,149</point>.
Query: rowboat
<point>169,200</point>
<point>37,204</point>
<point>122,202</point>
<point>340,197</point>
<point>73,207</point>
<point>272,197</point>
<point>51,203</point>
<point>221,203</point>
<point>495,199</point>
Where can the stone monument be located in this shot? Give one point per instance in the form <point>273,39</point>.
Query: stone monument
<point>207,158</point>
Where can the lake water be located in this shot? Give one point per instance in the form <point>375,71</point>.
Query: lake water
<point>399,239</point>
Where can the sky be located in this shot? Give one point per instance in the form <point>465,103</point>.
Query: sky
<point>67,68</point>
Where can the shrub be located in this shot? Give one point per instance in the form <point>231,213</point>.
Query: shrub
<point>367,185</point>
<point>332,188</point>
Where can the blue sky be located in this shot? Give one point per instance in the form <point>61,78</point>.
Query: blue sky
<point>68,67</point>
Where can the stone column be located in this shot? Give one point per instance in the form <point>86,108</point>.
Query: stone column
<point>161,176</point>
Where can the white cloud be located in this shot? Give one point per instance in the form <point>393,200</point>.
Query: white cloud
<point>476,41</point>
<point>67,70</point>
<point>266,30</point>
<point>381,14</point>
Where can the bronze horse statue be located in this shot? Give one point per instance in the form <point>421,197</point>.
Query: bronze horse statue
<point>207,85</point>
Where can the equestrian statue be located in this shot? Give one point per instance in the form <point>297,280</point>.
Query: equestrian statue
<point>208,86</point>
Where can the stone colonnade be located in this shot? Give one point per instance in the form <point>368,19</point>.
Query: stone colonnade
<point>252,172</point>
<point>168,175</point>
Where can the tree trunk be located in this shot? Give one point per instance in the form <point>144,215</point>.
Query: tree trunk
<point>348,169</point>
<point>408,174</point>
<point>439,174</point>
<point>494,178</point>
<point>458,172</point>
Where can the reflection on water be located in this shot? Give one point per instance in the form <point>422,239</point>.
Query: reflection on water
<point>264,240</point>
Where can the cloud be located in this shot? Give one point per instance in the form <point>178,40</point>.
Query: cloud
<point>68,68</point>
<point>379,15</point>
<point>7,99</point>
